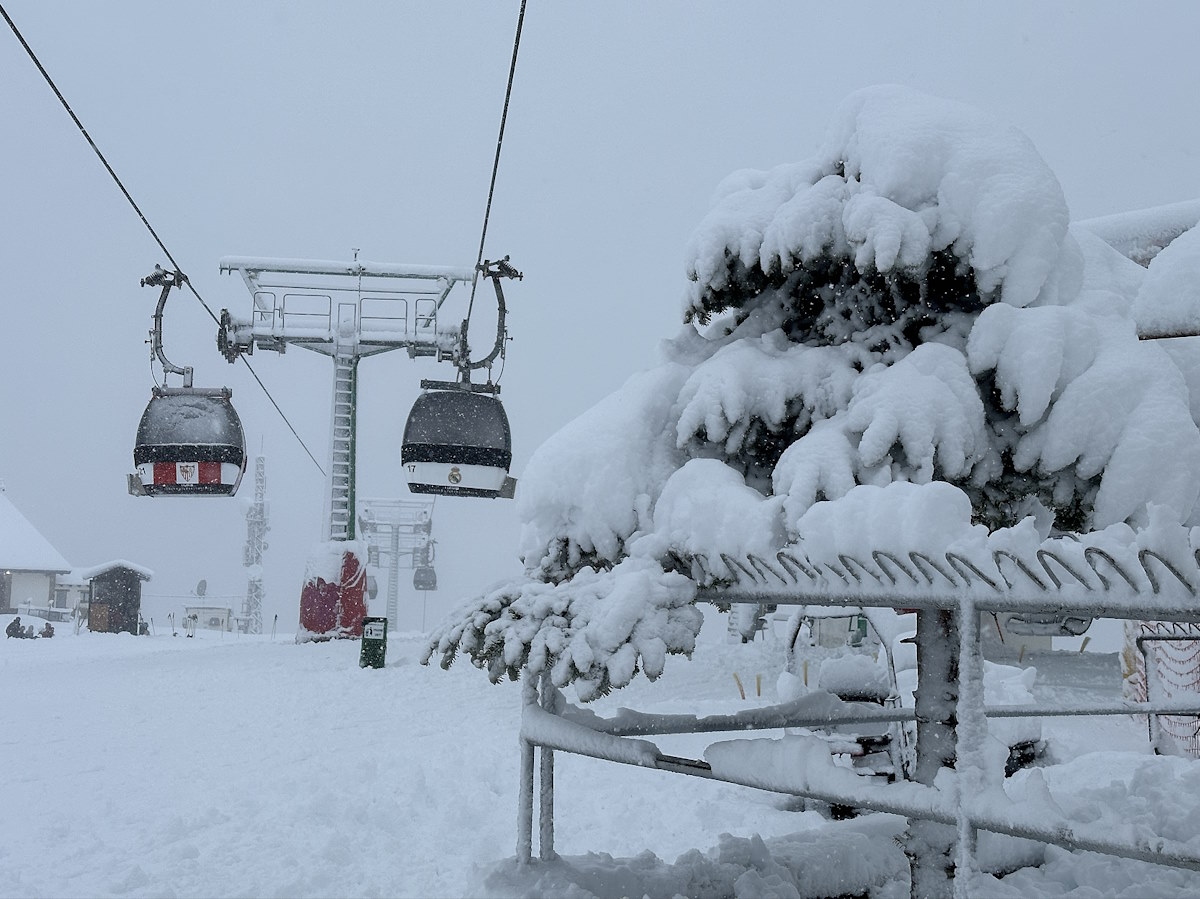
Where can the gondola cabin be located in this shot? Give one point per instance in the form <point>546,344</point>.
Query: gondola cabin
<point>189,443</point>
<point>424,578</point>
<point>457,442</point>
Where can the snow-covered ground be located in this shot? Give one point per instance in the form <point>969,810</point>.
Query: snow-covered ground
<point>245,766</point>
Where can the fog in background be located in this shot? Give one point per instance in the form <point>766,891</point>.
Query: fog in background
<point>308,129</point>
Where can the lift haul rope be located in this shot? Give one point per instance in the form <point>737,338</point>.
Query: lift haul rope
<point>512,70</point>
<point>145,221</point>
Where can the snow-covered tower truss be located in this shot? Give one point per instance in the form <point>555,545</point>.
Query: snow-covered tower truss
<point>257,527</point>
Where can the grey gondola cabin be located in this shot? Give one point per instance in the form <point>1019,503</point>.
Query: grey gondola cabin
<point>189,443</point>
<point>425,578</point>
<point>458,443</point>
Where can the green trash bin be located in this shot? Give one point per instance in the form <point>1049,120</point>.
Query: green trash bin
<point>374,643</point>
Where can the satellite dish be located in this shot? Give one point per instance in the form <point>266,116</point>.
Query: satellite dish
<point>201,587</point>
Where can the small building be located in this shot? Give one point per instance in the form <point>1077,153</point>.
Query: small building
<point>71,594</point>
<point>28,564</point>
<point>115,600</point>
<point>213,618</point>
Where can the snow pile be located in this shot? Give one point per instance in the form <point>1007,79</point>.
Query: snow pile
<point>845,859</point>
<point>281,769</point>
<point>899,518</point>
<point>1169,301</point>
<point>327,561</point>
<point>705,508</point>
<point>854,675</point>
<point>1010,685</point>
<point>908,309</point>
<point>1144,233</point>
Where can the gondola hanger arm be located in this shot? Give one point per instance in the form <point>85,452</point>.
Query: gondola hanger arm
<point>495,270</point>
<point>160,277</point>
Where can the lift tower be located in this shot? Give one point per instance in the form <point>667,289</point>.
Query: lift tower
<point>345,310</point>
<point>401,531</point>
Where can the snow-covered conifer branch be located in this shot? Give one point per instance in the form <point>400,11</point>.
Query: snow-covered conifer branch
<point>908,307</point>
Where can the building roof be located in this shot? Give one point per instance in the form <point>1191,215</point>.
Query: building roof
<point>22,547</point>
<point>96,570</point>
<point>72,578</point>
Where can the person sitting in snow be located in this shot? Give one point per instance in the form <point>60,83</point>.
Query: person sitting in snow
<point>14,628</point>
<point>29,634</point>
<point>47,631</point>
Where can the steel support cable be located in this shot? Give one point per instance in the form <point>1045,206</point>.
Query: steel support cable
<point>512,70</point>
<point>145,221</point>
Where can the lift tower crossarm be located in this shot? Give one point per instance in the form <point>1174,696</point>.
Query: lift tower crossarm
<point>254,265</point>
<point>328,305</point>
<point>345,310</point>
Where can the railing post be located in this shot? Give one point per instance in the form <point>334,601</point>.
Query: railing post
<point>972,735</point>
<point>525,794</point>
<point>930,846</point>
<point>549,695</point>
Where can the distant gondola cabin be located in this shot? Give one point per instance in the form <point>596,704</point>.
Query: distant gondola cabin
<point>115,600</point>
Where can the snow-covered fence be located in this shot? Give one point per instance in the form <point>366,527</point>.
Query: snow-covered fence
<point>1062,579</point>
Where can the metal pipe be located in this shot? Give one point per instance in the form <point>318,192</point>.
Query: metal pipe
<point>1170,853</point>
<point>546,793</point>
<point>930,845</point>
<point>1161,608</point>
<point>525,791</point>
<point>969,758</point>
<point>761,719</point>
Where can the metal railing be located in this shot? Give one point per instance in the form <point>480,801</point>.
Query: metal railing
<point>948,591</point>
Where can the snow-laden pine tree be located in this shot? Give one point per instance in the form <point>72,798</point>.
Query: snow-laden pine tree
<point>909,305</point>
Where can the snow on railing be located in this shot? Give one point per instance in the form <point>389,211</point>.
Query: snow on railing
<point>1142,234</point>
<point>1093,579</point>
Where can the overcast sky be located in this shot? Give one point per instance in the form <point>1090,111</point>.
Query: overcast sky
<point>308,129</point>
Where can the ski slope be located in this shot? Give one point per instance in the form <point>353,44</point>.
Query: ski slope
<point>251,766</point>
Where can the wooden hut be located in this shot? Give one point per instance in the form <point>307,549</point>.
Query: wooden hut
<point>115,601</point>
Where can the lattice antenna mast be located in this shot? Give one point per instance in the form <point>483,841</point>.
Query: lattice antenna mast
<point>257,527</point>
